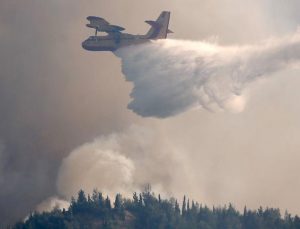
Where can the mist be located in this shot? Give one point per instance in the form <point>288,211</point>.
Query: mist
<point>172,76</point>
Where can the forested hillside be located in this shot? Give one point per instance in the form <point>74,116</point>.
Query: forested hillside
<point>148,211</point>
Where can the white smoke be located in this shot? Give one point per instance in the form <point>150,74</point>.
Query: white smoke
<point>172,76</point>
<point>122,162</point>
<point>98,164</point>
<point>52,203</point>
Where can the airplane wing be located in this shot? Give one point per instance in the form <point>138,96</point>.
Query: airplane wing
<point>96,21</point>
<point>100,24</point>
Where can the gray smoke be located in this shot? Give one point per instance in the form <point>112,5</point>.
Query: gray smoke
<point>172,76</point>
<point>44,73</point>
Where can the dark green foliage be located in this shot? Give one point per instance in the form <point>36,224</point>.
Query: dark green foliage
<point>146,211</point>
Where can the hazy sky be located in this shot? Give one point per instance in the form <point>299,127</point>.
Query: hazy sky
<point>55,96</point>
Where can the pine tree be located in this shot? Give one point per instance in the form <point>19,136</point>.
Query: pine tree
<point>183,209</point>
<point>100,199</point>
<point>81,197</point>
<point>118,202</point>
<point>95,196</point>
<point>118,207</point>
<point>177,208</point>
<point>107,203</point>
<point>135,199</point>
<point>72,204</point>
<point>89,199</point>
<point>140,200</point>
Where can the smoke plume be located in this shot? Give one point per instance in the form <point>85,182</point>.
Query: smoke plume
<point>122,162</point>
<point>172,76</point>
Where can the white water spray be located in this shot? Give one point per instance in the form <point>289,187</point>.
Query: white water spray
<point>173,76</point>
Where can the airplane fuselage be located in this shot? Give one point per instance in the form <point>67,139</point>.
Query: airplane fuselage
<point>110,43</point>
<point>116,39</point>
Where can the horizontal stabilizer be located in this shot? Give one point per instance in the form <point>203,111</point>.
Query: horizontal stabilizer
<point>153,23</point>
<point>170,31</point>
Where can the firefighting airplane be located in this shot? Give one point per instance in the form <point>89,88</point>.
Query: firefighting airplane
<point>115,39</point>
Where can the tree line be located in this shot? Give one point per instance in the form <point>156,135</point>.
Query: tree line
<point>149,211</point>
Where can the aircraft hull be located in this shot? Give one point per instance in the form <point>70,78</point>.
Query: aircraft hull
<point>110,45</point>
<point>99,48</point>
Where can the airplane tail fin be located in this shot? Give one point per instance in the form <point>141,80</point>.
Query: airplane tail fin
<point>160,27</point>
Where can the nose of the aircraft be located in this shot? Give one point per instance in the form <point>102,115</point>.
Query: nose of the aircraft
<point>83,44</point>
